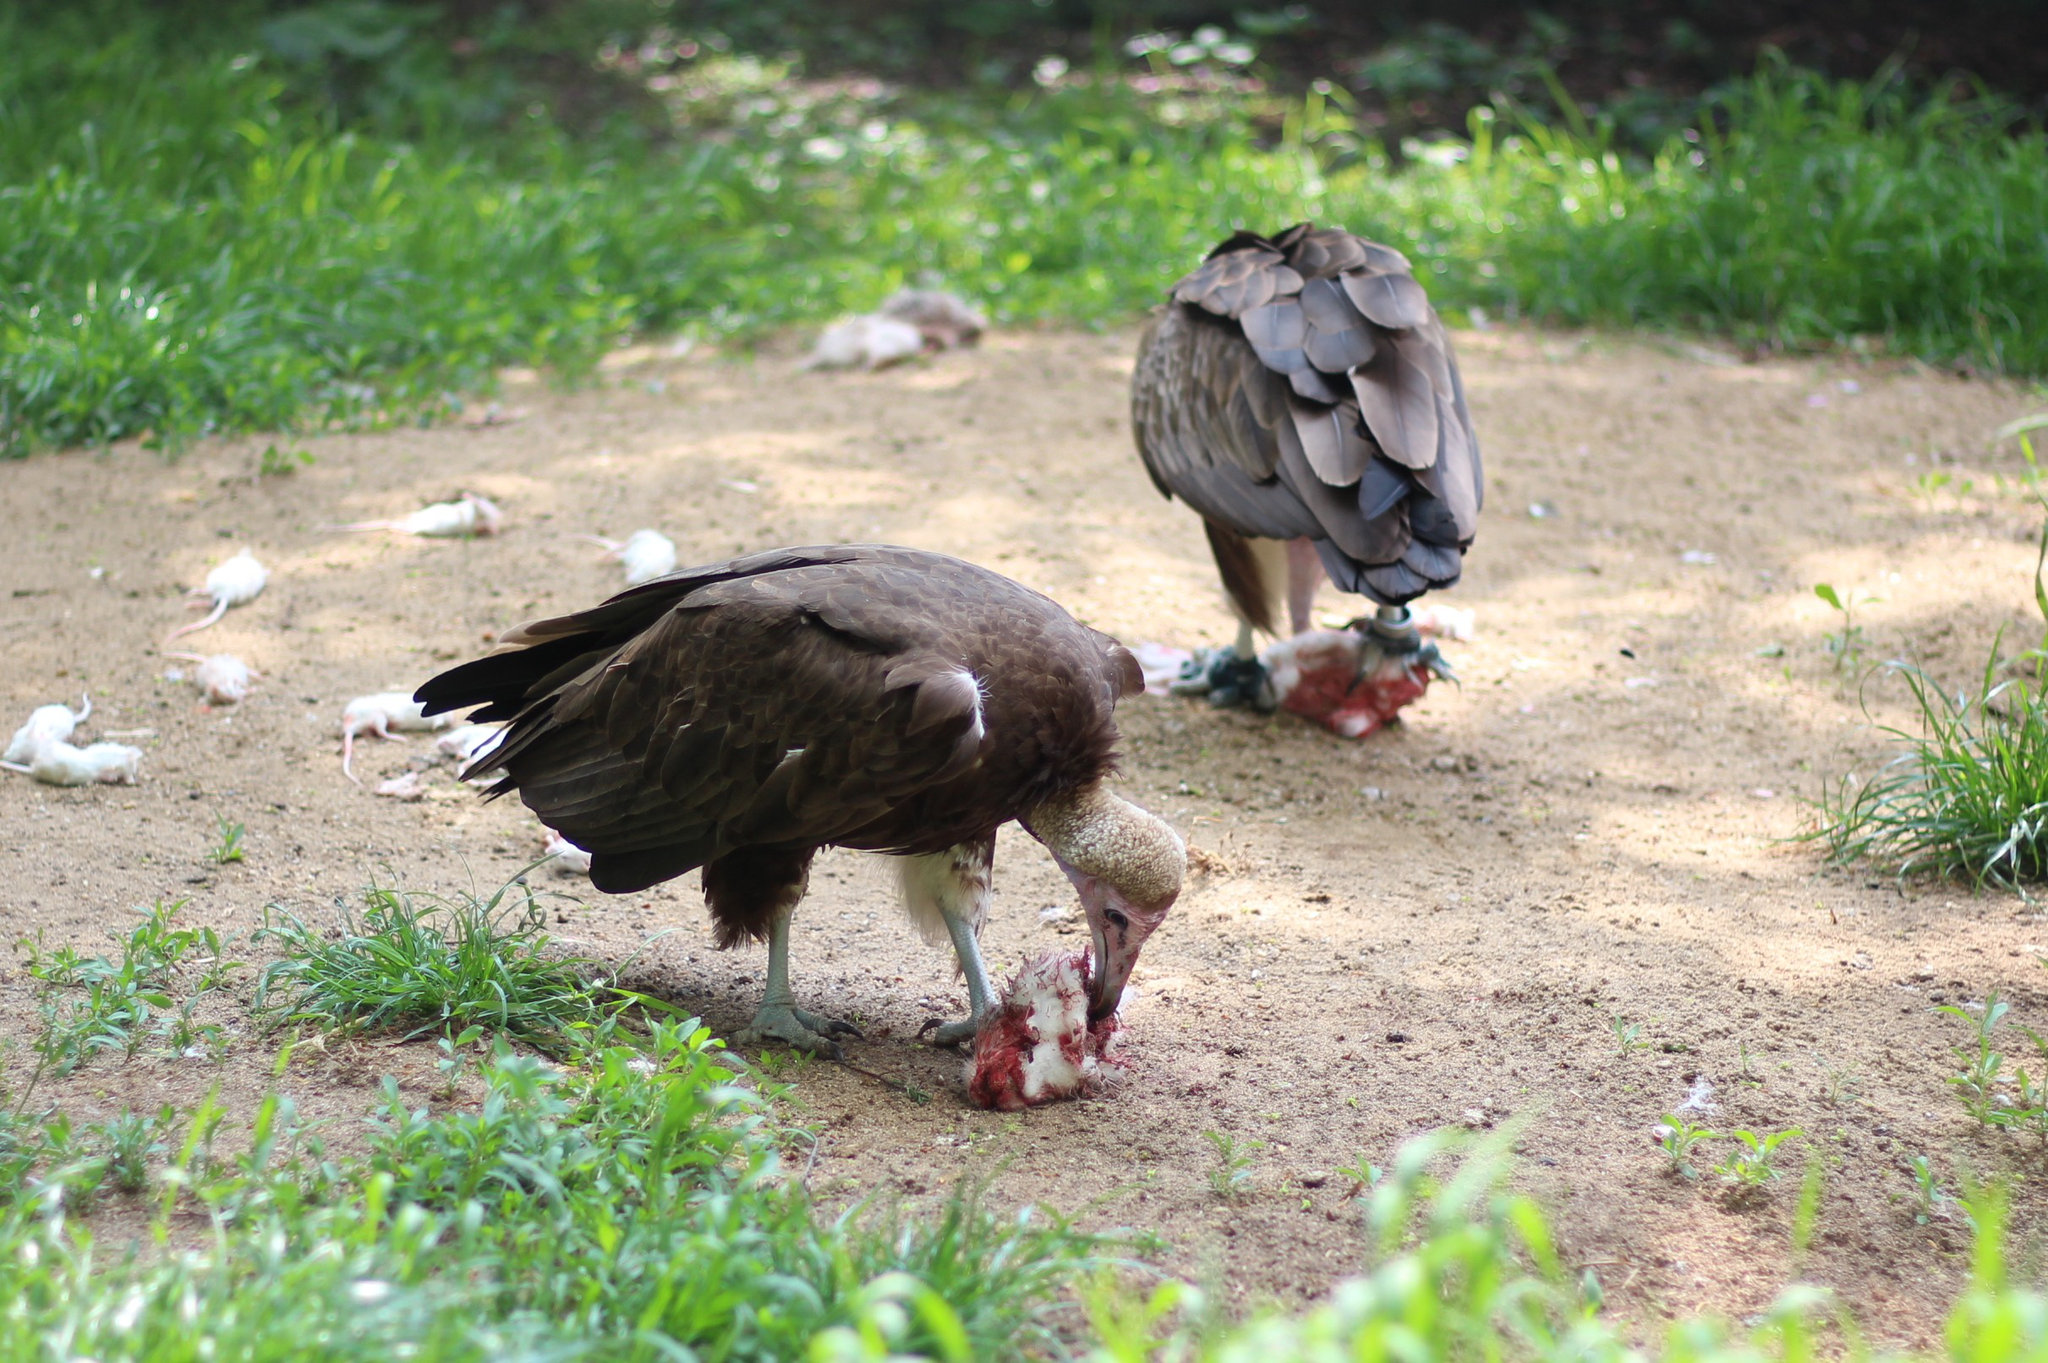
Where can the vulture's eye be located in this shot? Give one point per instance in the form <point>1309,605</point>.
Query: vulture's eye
<point>1116,918</point>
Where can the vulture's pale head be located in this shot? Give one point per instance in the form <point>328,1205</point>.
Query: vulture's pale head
<point>1127,867</point>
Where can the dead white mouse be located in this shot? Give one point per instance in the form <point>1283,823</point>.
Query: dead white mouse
<point>222,676</point>
<point>467,741</point>
<point>61,764</point>
<point>868,341</point>
<point>645,554</point>
<point>569,859</point>
<point>467,515</point>
<point>383,715</point>
<point>943,320</point>
<point>46,724</point>
<point>409,787</point>
<point>236,582</point>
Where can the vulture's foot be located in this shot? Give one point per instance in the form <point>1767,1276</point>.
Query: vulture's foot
<point>1227,679</point>
<point>795,1027</point>
<point>950,1033</point>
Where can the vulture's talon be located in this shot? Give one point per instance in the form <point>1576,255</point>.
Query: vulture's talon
<point>787,1026</point>
<point>1239,682</point>
<point>945,1033</point>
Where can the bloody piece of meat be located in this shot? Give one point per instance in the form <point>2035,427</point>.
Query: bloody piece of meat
<point>1037,1045</point>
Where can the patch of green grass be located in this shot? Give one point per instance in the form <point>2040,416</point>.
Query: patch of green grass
<point>191,242</point>
<point>92,1004</point>
<point>629,1206</point>
<point>426,963</point>
<point>1967,795</point>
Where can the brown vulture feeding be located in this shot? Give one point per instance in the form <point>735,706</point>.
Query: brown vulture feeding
<point>738,717</point>
<point>1300,393</point>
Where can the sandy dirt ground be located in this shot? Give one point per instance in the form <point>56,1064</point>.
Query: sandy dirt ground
<point>1434,927</point>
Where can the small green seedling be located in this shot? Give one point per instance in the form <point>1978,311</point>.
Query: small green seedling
<point>1977,1084</point>
<point>1680,1136</point>
<point>1628,1035</point>
<point>1844,645</point>
<point>1930,1199</point>
<point>1749,1165</point>
<point>1232,1176</point>
<point>1364,1176</point>
<point>229,848</point>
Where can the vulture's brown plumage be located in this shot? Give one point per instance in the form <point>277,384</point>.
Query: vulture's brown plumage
<point>739,716</point>
<point>1300,388</point>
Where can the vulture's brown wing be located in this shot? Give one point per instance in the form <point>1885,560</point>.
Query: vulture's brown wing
<point>762,709</point>
<point>1302,385</point>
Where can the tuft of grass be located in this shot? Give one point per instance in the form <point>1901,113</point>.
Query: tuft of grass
<point>426,963</point>
<point>1968,794</point>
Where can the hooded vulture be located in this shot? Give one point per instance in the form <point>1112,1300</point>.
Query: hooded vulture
<point>739,716</point>
<point>1300,393</point>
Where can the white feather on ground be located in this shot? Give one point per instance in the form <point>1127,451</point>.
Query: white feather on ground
<point>234,582</point>
<point>61,764</point>
<point>867,342</point>
<point>46,724</point>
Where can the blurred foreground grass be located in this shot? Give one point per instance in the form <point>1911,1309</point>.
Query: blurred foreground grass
<point>188,245</point>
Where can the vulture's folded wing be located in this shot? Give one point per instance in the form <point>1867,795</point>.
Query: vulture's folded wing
<point>738,709</point>
<point>1301,385</point>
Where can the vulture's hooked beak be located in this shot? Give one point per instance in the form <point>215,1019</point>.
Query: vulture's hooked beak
<point>1119,929</point>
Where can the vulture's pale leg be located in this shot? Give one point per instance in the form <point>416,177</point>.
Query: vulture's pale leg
<point>1247,645</point>
<point>1304,575</point>
<point>778,1018</point>
<point>950,889</point>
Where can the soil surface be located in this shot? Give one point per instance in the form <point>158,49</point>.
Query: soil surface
<point>1436,927</point>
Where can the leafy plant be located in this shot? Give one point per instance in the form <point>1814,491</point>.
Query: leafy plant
<point>229,848</point>
<point>128,1142</point>
<point>425,963</point>
<point>87,1005</point>
<point>1748,1165</point>
<point>1680,1136</point>
<point>1364,1175</point>
<point>1845,643</point>
<point>1930,1199</point>
<point>1628,1036</point>
<point>1232,1177</point>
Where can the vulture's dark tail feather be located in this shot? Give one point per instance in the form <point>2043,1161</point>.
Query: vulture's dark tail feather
<point>501,681</point>
<point>1243,575</point>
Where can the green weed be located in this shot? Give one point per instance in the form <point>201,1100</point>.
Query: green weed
<point>88,1005</point>
<point>424,963</point>
<point>229,848</point>
<point>1748,1166</point>
<point>1232,1177</point>
<point>1679,1137</point>
<point>1628,1036</point>
<point>1845,643</point>
<point>275,462</point>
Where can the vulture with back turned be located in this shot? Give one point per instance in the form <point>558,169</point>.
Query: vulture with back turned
<point>739,716</point>
<point>1300,393</point>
